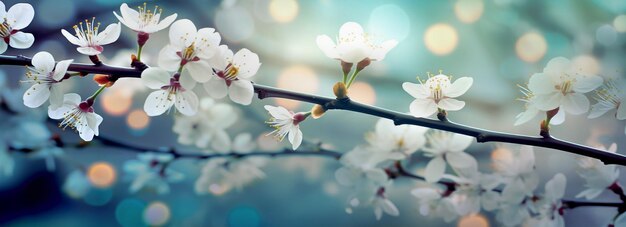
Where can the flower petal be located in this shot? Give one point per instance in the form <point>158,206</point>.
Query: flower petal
<point>241,91</point>
<point>247,62</point>
<point>295,137</point>
<point>21,40</point>
<point>541,84</point>
<point>418,91</point>
<point>187,82</point>
<point>459,87</point>
<point>36,95</point>
<point>158,102</point>
<point>95,50</point>
<point>621,111</point>
<point>207,43</point>
<point>43,62</point>
<point>155,78</point>
<point>351,30</point>
<point>435,169</point>
<point>450,104</point>
<point>216,87</point>
<point>3,46</point>
<point>200,71</point>
<point>558,118</point>
<point>461,160</point>
<point>423,107</point>
<point>575,103</point>
<point>584,84</point>
<point>549,101</point>
<point>168,59</point>
<point>327,46</point>
<point>56,96</point>
<point>73,39</point>
<point>599,109</point>
<point>110,34</point>
<point>187,102</point>
<point>164,23</point>
<point>61,69</point>
<point>555,188</point>
<point>381,51</point>
<point>20,15</point>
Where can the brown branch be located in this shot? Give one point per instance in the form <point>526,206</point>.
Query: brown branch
<point>398,118</point>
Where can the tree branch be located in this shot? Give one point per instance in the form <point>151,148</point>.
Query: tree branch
<point>398,118</point>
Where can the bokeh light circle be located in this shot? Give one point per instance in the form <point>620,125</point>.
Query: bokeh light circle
<point>441,39</point>
<point>156,214</point>
<point>587,64</point>
<point>129,212</point>
<point>116,102</point>
<point>235,24</point>
<point>283,11</point>
<point>620,23</point>
<point>531,47</point>
<point>101,174</point>
<point>391,21</point>
<point>138,119</point>
<point>362,92</point>
<point>469,11</point>
<point>476,220</point>
<point>606,35</point>
<point>298,78</point>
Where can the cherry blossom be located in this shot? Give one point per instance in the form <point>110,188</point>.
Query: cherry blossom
<point>475,190</point>
<point>433,203</point>
<point>598,177</point>
<point>89,39</point>
<point>46,78</point>
<point>437,93</point>
<point>171,90</point>
<point>382,204</point>
<point>78,115</point>
<point>550,203</point>
<point>518,171</point>
<point>445,147</point>
<point>231,75</point>
<point>207,127</point>
<point>145,20</point>
<point>400,141</point>
<point>150,171</point>
<point>560,85</point>
<point>286,123</point>
<point>531,110</point>
<point>610,97</point>
<point>353,45</point>
<point>15,19</point>
<point>190,48</point>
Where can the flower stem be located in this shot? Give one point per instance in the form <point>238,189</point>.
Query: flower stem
<point>352,78</point>
<point>95,94</point>
<point>139,49</point>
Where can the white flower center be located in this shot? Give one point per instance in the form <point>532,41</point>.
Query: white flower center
<point>436,85</point>
<point>146,16</point>
<point>609,94</point>
<point>74,118</point>
<point>34,77</point>
<point>565,87</point>
<point>88,32</point>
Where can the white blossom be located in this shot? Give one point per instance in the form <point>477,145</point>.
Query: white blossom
<point>89,39</point>
<point>152,171</point>
<point>171,90</point>
<point>144,20</point>
<point>361,172</point>
<point>475,190</point>
<point>437,93</point>
<point>598,177</point>
<point>45,77</point>
<point>78,115</point>
<point>518,171</point>
<point>433,203</point>
<point>382,204</point>
<point>353,45</point>
<point>286,123</point>
<point>15,19</point>
<point>231,75</point>
<point>531,110</point>
<point>610,97</point>
<point>396,142</point>
<point>445,147</point>
<point>208,127</point>
<point>191,49</point>
<point>550,203</point>
<point>562,85</point>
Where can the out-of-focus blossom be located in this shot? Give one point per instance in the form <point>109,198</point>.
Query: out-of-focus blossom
<point>447,147</point>
<point>78,115</point>
<point>15,19</point>
<point>231,75</point>
<point>208,127</point>
<point>398,142</point>
<point>432,203</point>
<point>76,185</point>
<point>550,203</point>
<point>144,20</point>
<point>611,96</point>
<point>438,93</point>
<point>381,204</point>
<point>360,171</point>
<point>152,171</point>
<point>286,123</point>
<point>353,45</point>
<point>475,190</point>
<point>170,91</point>
<point>46,78</point>
<point>7,164</point>
<point>518,172</point>
<point>598,177</point>
<point>89,39</point>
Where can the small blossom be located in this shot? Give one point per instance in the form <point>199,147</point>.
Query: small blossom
<point>518,171</point>
<point>90,39</point>
<point>382,204</point>
<point>561,86</point>
<point>531,110</point>
<point>475,190</point>
<point>17,18</point>
<point>361,171</point>
<point>78,115</point>
<point>151,171</point>
<point>437,93</point>
<point>354,45</point>
<point>208,127</point>
<point>610,97</point>
<point>549,210</point>
<point>286,123</point>
<point>170,91</point>
<point>46,78</point>
<point>397,141</point>
<point>144,20</point>
<point>432,203</point>
<point>598,177</point>
<point>190,48</point>
<point>447,147</point>
<point>231,75</point>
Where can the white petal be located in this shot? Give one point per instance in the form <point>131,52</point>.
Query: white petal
<point>278,112</point>
<point>130,17</point>
<point>186,81</point>
<point>526,116</point>
<point>555,188</point>
<point>3,11</point>
<point>435,169</point>
<point>599,109</point>
<point>110,34</point>
<point>460,142</point>
<point>459,87</point>
<point>541,84</point>
<point>586,84</point>
<point>61,69</point>
<point>168,59</point>
<point>351,30</point>
<point>295,137</point>
<point>95,50</point>
<point>208,43</point>
<point>380,52</point>
<point>93,121</point>
<point>200,71</point>
<point>247,62</point>
<point>345,176</point>
<point>3,46</point>
<point>20,15</point>
<point>221,142</point>
<point>182,33</point>
<point>353,52</point>
<point>216,87</point>
<point>73,39</point>
<point>575,103</point>
<point>558,118</point>
<point>21,40</point>
<point>241,91</point>
<point>44,62</point>
<point>164,23</point>
<point>556,67</point>
<point>423,107</point>
<point>56,96</point>
<point>36,95</point>
<point>461,160</point>
<point>450,104</point>
<point>621,111</point>
<point>157,103</point>
<point>187,102</point>
<point>418,91</point>
<point>222,58</point>
<point>390,208</point>
<point>155,78</point>
<point>327,46</point>
<point>548,102</point>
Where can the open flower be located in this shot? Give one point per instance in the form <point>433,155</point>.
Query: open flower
<point>89,39</point>
<point>531,110</point>
<point>396,141</point>
<point>171,91</point>
<point>517,167</point>
<point>437,93</point>
<point>151,171</point>
<point>18,17</point>
<point>286,123</point>
<point>598,177</point>
<point>432,203</point>
<point>561,86</point>
<point>45,77</point>
<point>381,204</point>
<point>190,48</point>
<point>144,20</point>
<point>610,97</point>
<point>354,45</point>
<point>447,147</point>
<point>231,74</point>
<point>550,203</point>
<point>208,127</point>
<point>77,115</point>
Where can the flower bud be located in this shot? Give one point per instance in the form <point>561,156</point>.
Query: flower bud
<point>104,80</point>
<point>346,67</point>
<point>362,64</point>
<point>340,90</point>
<point>142,38</point>
<point>317,111</point>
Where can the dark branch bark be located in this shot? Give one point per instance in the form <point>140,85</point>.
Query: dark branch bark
<point>481,135</point>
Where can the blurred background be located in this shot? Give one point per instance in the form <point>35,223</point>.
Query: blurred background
<point>499,43</point>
